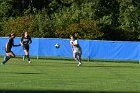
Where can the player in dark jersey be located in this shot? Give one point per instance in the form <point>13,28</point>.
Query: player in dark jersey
<point>25,41</point>
<point>9,45</point>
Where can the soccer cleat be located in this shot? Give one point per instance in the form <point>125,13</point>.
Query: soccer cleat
<point>4,57</point>
<point>79,64</point>
<point>2,63</point>
<point>23,58</point>
<point>29,61</point>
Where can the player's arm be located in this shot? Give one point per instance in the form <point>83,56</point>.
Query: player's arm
<point>16,45</point>
<point>75,43</point>
<point>6,46</point>
<point>71,43</point>
<point>30,40</point>
<point>21,41</point>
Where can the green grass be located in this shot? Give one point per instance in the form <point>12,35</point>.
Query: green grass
<point>64,75</point>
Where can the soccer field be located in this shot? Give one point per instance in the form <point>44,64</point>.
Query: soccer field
<point>55,75</point>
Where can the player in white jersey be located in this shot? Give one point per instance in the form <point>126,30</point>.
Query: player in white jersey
<point>77,51</point>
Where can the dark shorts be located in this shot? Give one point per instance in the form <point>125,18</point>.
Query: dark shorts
<point>26,47</point>
<point>8,50</point>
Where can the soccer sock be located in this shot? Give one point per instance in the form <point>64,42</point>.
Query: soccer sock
<point>80,60</point>
<point>6,59</point>
<point>77,59</point>
<point>25,56</point>
<point>28,57</point>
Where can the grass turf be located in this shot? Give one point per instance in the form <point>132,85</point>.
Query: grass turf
<point>64,75</point>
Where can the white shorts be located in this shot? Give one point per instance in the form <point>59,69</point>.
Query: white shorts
<point>77,52</point>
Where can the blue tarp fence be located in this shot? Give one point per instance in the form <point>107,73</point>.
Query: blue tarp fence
<point>97,49</point>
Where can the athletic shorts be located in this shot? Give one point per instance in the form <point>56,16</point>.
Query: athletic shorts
<point>77,52</point>
<point>8,50</point>
<point>26,47</point>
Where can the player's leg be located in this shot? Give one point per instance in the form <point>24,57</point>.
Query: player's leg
<point>75,54</point>
<point>8,56</point>
<point>79,55</point>
<point>28,56</point>
<point>79,59</point>
<point>26,51</point>
<point>12,55</point>
<point>24,48</point>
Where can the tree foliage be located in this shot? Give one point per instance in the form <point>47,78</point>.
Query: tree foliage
<point>18,25</point>
<point>92,19</point>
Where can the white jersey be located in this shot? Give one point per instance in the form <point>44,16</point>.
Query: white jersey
<point>76,49</point>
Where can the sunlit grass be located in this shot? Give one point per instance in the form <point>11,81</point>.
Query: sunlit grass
<point>64,75</point>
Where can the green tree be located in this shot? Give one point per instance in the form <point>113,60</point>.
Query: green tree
<point>4,13</point>
<point>71,20</point>
<point>42,25</point>
<point>18,25</point>
<point>129,18</point>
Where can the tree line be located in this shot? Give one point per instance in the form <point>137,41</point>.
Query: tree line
<point>91,19</point>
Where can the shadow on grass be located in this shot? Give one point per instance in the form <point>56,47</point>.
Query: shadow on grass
<point>53,91</point>
<point>89,60</point>
<point>112,66</point>
<point>21,73</point>
<point>84,59</point>
<point>28,73</point>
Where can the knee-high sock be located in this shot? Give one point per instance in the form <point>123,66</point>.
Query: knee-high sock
<point>6,59</point>
<point>77,59</point>
<point>25,56</point>
<point>28,57</point>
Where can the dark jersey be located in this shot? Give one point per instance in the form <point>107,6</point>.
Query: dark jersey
<point>26,40</point>
<point>10,44</point>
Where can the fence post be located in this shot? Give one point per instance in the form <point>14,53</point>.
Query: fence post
<point>88,59</point>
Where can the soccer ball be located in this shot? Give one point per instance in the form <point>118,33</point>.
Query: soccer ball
<point>57,45</point>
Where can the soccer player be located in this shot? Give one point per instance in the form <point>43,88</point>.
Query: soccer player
<point>77,51</point>
<point>25,42</point>
<point>9,44</point>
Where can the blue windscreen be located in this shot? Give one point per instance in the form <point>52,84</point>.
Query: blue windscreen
<point>97,49</point>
